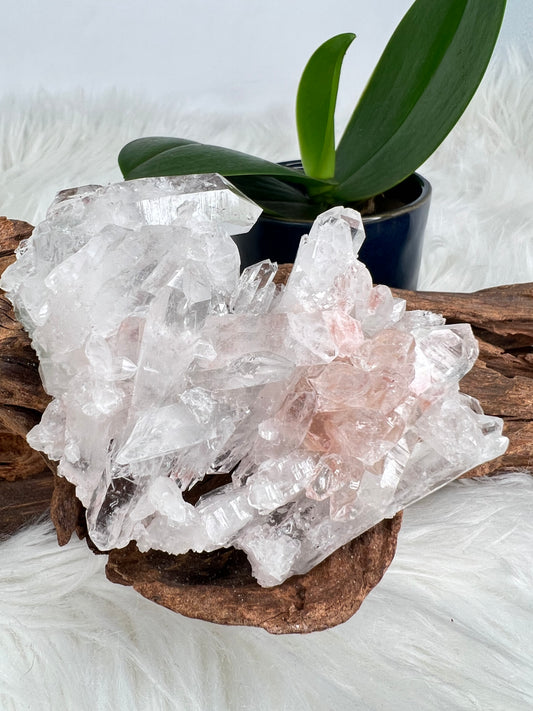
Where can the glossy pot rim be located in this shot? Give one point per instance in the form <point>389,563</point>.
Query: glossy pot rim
<point>424,197</point>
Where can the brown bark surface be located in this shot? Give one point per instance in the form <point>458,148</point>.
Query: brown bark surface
<point>502,378</point>
<point>218,586</point>
<point>26,482</point>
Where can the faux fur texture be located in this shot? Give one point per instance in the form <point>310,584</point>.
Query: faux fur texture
<point>480,231</point>
<point>450,627</point>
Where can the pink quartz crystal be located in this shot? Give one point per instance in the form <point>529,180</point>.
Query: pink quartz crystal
<point>332,406</point>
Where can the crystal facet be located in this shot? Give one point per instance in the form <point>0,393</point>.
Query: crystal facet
<point>332,406</point>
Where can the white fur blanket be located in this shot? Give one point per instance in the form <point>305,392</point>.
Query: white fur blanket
<point>451,624</point>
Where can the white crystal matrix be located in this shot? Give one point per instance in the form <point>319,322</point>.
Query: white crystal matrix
<point>332,406</point>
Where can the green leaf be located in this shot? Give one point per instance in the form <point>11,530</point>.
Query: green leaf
<point>150,157</point>
<point>315,106</point>
<point>142,149</point>
<point>276,197</point>
<point>424,80</point>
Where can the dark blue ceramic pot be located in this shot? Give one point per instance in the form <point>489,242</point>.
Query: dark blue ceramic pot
<point>393,247</point>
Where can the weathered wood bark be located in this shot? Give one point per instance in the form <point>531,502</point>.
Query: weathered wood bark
<point>502,378</point>
<point>218,586</point>
<point>26,483</point>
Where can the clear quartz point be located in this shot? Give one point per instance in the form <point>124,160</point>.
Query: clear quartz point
<point>256,289</point>
<point>331,405</point>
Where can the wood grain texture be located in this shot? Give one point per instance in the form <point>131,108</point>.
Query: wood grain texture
<point>219,587</point>
<point>26,481</point>
<point>502,378</point>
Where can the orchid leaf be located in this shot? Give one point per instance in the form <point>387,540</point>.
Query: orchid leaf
<point>150,157</point>
<point>141,150</point>
<point>315,106</point>
<point>276,197</point>
<point>424,80</point>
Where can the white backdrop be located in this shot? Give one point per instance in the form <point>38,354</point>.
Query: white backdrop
<point>237,54</point>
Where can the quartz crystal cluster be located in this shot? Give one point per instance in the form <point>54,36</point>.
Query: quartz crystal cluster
<point>330,404</point>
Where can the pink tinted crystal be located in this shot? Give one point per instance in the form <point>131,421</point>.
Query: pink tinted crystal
<point>330,404</point>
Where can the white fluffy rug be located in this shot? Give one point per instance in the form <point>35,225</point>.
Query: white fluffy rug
<point>450,627</point>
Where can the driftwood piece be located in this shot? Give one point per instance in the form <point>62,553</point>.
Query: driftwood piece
<point>26,482</point>
<point>502,378</point>
<point>218,586</point>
